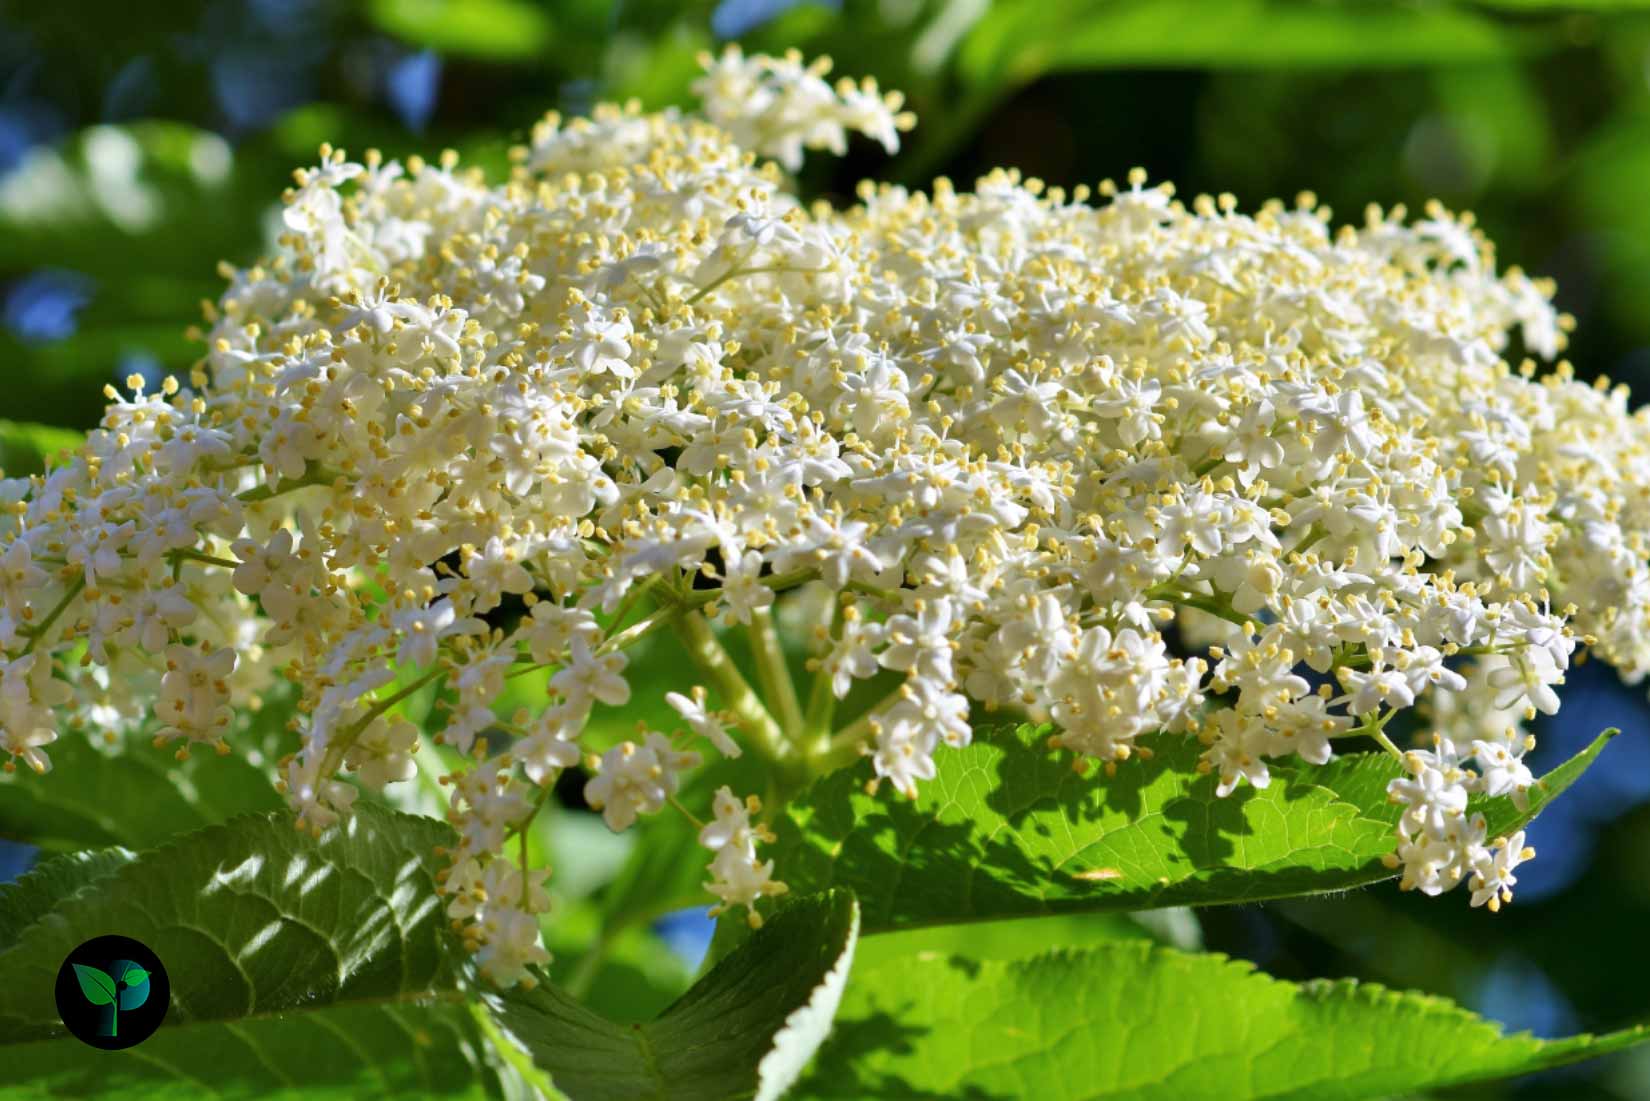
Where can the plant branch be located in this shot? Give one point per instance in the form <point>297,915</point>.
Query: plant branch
<point>775,673</point>
<point>707,653</point>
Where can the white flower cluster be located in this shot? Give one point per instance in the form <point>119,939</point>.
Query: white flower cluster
<point>1129,467</point>
<point>778,107</point>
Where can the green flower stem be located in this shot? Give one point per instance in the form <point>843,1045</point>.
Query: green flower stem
<point>316,476</point>
<point>775,674</point>
<point>754,719</point>
<point>733,272</point>
<point>590,964</point>
<point>1313,534</point>
<point>192,555</point>
<point>821,709</point>
<point>778,582</point>
<point>846,745</point>
<point>638,630</point>
<point>1207,604</point>
<point>1385,742</point>
<point>1207,466</point>
<point>335,753</point>
<point>631,599</point>
<point>38,632</point>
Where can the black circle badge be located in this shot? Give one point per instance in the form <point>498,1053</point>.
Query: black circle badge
<point>112,992</point>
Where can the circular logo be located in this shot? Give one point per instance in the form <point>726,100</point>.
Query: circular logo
<point>112,992</point>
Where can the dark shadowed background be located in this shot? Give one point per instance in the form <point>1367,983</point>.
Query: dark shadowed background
<point>140,144</point>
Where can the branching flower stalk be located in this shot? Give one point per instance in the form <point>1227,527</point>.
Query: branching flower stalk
<point>1133,467</point>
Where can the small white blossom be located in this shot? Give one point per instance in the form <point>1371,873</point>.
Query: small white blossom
<point>709,725</point>
<point>738,877</point>
<point>636,779</point>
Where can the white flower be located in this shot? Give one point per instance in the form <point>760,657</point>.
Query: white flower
<point>424,629</point>
<point>552,628</point>
<point>743,593</point>
<point>1135,467</point>
<point>852,654</point>
<point>550,746</point>
<point>1502,773</point>
<point>20,579</point>
<point>779,107</point>
<point>383,752</point>
<point>492,571</point>
<point>319,801</point>
<point>709,725</point>
<point>28,692</point>
<point>1492,870</point>
<point>266,566</point>
<point>194,695</point>
<point>636,779</point>
<point>738,877</point>
<point>509,945</point>
<point>488,805</point>
<point>589,677</point>
<point>920,645</point>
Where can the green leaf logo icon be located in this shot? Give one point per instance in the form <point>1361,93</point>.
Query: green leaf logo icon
<point>112,992</point>
<point>98,987</point>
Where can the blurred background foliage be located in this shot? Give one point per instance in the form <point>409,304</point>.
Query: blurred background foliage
<point>142,144</point>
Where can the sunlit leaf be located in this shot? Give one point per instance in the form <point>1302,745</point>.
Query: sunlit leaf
<point>1007,828</point>
<point>1133,1021</point>
<point>495,29</point>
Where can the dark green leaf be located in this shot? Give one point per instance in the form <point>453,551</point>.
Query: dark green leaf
<point>750,1025</point>
<point>38,891</point>
<point>1134,1021</point>
<point>297,965</point>
<point>253,917</point>
<point>136,795</point>
<point>424,1048</point>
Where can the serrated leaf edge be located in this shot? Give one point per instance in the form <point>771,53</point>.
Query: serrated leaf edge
<point>807,1026</point>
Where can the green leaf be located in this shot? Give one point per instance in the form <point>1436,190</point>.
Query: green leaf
<point>296,964</point>
<point>749,1026</point>
<point>1006,828</point>
<point>426,1049</point>
<point>502,30</point>
<point>1019,41</point>
<point>1136,1021</point>
<point>1590,6</point>
<point>38,891</point>
<point>254,917</point>
<point>135,795</point>
<point>98,987</point>
<point>26,448</point>
<point>134,976</point>
<point>1009,939</point>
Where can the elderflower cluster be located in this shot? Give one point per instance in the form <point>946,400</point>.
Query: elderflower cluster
<point>1130,468</point>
